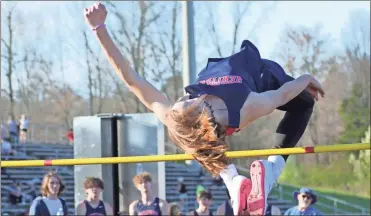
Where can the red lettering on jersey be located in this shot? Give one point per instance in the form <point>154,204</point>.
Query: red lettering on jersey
<point>223,80</point>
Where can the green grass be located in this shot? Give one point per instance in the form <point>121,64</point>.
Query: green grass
<point>348,197</point>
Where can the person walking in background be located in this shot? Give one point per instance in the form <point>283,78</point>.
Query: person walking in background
<point>23,127</point>
<point>13,129</point>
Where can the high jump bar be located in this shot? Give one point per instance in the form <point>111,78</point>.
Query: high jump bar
<point>182,157</point>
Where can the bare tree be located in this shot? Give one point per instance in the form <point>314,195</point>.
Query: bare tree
<point>61,98</point>
<point>357,36</point>
<point>168,48</point>
<point>302,50</point>
<point>133,42</point>
<point>28,88</point>
<point>239,12</point>
<point>10,56</point>
<point>90,73</point>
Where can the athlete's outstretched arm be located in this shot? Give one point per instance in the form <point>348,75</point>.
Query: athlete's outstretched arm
<point>151,97</point>
<point>264,103</point>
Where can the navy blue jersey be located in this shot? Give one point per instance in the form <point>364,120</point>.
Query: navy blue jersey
<point>153,209</point>
<point>100,210</point>
<point>233,78</point>
<point>196,214</point>
<point>228,208</point>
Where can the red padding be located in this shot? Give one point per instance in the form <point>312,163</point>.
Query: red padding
<point>48,162</point>
<point>309,149</point>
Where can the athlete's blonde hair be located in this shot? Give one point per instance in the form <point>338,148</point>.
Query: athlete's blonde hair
<point>196,132</point>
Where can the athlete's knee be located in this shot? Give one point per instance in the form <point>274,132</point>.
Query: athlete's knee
<point>306,101</point>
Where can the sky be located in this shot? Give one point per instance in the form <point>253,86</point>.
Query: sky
<point>54,17</point>
<point>332,15</point>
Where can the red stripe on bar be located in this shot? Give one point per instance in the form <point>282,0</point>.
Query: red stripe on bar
<point>309,149</point>
<point>48,162</point>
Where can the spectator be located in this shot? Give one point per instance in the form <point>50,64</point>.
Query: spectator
<point>70,136</point>
<point>50,203</point>
<point>13,129</point>
<point>204,200</point>
<point>15,194</point>
<point>23,126</point>
<point>32,187</point>
<point>4,132</point>
<point>148,204</point>
<point>182,194</point>
<point>6,149</point>
<point>199,187</point>
<point>93,205</point>
<point>175,209</point>
<point>305,197</point>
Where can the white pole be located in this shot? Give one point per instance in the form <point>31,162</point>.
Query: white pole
<point>189,60</point>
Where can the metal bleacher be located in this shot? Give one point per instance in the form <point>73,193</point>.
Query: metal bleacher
<point>45,151</point>
<point>28,174</point>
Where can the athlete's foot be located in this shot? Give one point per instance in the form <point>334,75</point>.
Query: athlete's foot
<point>239,188</point>
<point>264,174</point>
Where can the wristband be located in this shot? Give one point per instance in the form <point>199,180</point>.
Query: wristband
<point>98,26</point>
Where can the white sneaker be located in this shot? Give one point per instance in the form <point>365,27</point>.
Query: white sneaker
<point>239,188</point>
<point>264,174</point>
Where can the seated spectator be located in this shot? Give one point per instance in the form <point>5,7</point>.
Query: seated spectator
<point>93,205</point>
<point>32,187</point>
<point>204,200</point>
<point>6,148</point>
<point>50,203</point>
<point>15,194</point>
<point>305,197</point>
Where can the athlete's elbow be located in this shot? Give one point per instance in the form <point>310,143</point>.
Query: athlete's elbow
<point>282,98</point>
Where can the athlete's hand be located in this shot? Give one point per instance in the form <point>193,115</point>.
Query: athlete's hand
<point>95,15</point>
<point>315,88</point>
